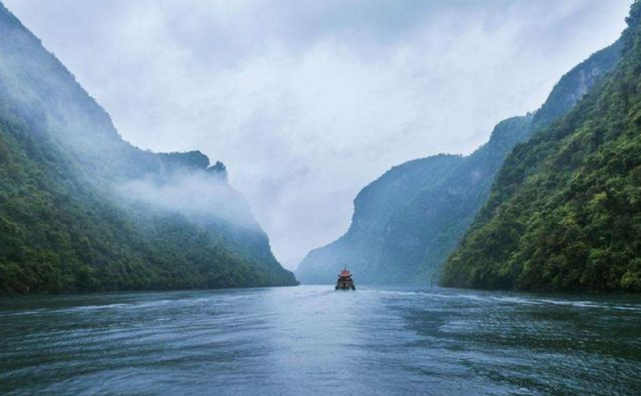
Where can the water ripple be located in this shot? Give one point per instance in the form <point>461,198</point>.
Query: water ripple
<point>312,340</point>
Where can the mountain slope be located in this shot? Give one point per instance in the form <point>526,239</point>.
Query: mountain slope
<point>407,239</point>
<point>565,212</point>
<point>83,210</point>
<point>374,206</point>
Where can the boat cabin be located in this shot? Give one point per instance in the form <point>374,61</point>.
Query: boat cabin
<point>345,281</point>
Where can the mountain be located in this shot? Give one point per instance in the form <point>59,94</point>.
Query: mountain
<point>374,207</point>
<point>83,210</point>
<point>408,221</point>
<point>565,211</point>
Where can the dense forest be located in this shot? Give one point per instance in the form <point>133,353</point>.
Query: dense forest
<point>83,210</point>
<point>565,211</point>
<point>408,221</point>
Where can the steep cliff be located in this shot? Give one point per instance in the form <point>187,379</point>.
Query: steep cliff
<point>416,213</point>
<point>81,209</point>
<point>565,212</point>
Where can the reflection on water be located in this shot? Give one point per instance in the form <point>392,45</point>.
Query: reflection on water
<point>313,340</point>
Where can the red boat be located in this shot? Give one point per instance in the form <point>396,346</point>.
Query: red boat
<point>345,281</point>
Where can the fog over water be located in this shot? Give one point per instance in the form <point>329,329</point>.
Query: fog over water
<point>305,101</point>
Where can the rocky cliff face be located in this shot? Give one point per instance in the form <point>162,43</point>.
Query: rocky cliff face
<point>82,209</point>
<point>408,221</point>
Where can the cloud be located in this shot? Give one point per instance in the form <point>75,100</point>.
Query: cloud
<point>199,196</point>
<point>308,101</point>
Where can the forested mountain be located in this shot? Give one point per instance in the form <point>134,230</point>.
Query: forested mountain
<point>565,212</point>
<point>407,222</point>
<point>374,207</point>
<point>83,210</point>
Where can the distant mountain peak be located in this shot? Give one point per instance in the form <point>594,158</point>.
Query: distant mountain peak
<point>218,169</point>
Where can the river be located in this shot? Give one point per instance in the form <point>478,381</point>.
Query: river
<point>313,340</point>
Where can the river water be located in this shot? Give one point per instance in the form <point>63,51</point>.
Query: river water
<point>313,340</point>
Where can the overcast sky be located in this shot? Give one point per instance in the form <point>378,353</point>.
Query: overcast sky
<point>306,102</point>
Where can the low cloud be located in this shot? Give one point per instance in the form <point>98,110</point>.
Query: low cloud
<point>198,195</point>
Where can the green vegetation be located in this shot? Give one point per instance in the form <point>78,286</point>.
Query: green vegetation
<point>565,212</point>
<point>407,222</point>
<point>65,224</point>
<point>375,206</point>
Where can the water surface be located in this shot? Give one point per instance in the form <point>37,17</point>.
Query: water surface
<point>312,340</point>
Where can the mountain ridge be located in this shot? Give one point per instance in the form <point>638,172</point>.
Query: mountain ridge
<point>81,209</point>
<point>421,229</point>
<point>564,212</point>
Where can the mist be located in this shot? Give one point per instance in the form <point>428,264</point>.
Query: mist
<point>307,102</point>
<point>198,195</point>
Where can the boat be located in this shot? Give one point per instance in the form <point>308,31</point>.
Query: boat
<point>345,281</point>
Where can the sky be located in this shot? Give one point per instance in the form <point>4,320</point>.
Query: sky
<point>308,101</point>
